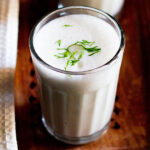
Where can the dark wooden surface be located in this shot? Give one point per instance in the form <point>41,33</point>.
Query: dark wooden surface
<point>130,125</point>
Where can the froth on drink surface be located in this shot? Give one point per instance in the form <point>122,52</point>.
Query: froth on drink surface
<point>70,29</point>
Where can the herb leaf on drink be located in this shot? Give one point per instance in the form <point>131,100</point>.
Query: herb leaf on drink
<point>67,25</point>
<point>76,56</point>
<point>59,42</point>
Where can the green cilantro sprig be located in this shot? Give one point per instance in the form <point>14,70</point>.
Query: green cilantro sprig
<point>59,42</point>
<point>75,56</point>
<point>67,25</point>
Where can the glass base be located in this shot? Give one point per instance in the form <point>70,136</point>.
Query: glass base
<point>75,140</point>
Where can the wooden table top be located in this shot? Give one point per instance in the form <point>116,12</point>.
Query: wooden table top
<point>130,124</point>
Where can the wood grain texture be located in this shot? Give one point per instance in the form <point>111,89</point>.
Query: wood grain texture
<point>130,124</point>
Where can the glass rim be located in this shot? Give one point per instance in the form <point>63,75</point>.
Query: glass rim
<point>112,60</point>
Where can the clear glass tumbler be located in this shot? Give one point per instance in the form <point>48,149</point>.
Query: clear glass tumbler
<point>113,7</point>
<point>77,109</point>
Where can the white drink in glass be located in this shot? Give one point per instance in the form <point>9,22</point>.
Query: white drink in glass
<point>112,7</point>
<point>77,103</point>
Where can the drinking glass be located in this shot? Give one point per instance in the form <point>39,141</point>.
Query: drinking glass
<point>77,106</point>
<point>113,7</point>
